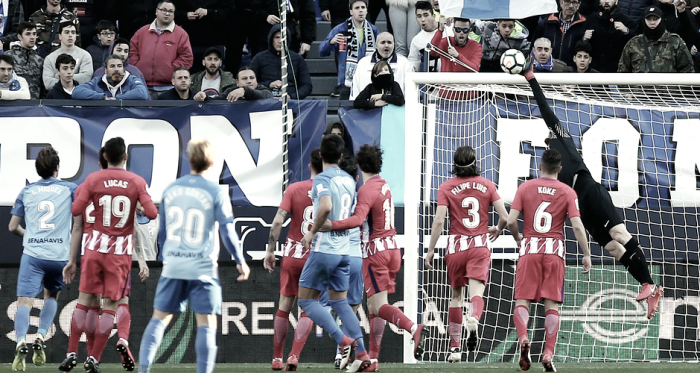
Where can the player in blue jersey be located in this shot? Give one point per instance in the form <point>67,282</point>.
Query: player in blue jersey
<point>189,210</point>
<point>327,267</point>
<point>45,207</point>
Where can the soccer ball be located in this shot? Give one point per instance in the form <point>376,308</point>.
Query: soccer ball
<point>513,61</point>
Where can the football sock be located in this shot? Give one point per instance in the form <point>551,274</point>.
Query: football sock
<point>320,316</point>
<point>395,316</point>
<point>123,321</point>
<point>104,328</point>
<point>376,332</point>
<point>551,328</point>
<point>77,327</point>
<point>93,316</point>
<point>636,262</point>
<point>521,317</point>
<point>46,316</point>
<point>281,324</point>
<point>455,319</point>
<point>205,346</point>
<point>304,327</point>
<point>477,307</point>
<point>22,323</point>
<point>150,341</point>
<point>343,309</point>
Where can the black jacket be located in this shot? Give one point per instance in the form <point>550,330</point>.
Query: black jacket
<point>58,93</point>
<point>301,22</point>
<point>259,93</point>
<point>607,42</point>
<point>393,96</point>
<point>562,44</point>
<point>171,94</point>
<point>682,24</point>
<point>209,30</point>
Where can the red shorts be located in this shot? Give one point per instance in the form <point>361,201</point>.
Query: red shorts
<point>540,276</point>
<point>379,271</point>
<point>290,270</point>
<point>106,274</point>
<point>473,263</point>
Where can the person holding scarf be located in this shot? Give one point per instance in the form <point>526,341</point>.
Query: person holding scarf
<point>382,91</point>
<point>350,41</point>
<point>542,59</point>
<point>12,87</point>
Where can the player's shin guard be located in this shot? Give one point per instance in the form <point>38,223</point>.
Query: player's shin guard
<point>150,341</point>
<point>343,309</point>
<point>521,317</point>
<point>281,325</point>
<point>301,334</point>
<point>395,316</point>
<point>104,328</point>
<point>123,321</point>
<point>455,319</point>
<point>477,307</point>
<point>46,316</point>
<point>551,328</point>
<point>321,317</point>
<point>205,346</point>
<point>77,327</point>
<point>93,316</point>
<point>376,332</point>
<point>22,322</point>
<point>636,263</point>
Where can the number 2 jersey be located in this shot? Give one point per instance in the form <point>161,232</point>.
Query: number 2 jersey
<point>337,184</point>
<point>297,202</point>
<point>46,208</point>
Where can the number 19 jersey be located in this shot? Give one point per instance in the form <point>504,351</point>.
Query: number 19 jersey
<point>468,200</point>
<point>337,184</point>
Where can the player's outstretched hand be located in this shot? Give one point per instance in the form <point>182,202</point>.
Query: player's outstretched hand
<point>306,241</point>
<point>69,272</point>
<point>144,272</point>
<point>429,259</point>
<point>527,70</point>
<point>518,238</point>
<point>244,270</point>
<point>270,261</point>
<point>586,264</point>
<point>494,233</point>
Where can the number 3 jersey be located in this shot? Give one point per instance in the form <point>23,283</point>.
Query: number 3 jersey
<point>297,202</point>
<point>337,184</point>
<point>45,206</point>
<point>468,200</point>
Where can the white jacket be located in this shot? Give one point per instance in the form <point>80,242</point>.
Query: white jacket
<point>21,94</point>
<point>363,73</point>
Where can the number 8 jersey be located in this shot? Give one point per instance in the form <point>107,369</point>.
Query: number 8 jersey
<point>341,188</point>
<point>468,200</point>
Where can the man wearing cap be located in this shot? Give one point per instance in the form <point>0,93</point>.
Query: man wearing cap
<point>212,81</point>
<point>656,50</point>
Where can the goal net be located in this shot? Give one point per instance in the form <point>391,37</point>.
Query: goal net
<point>638,138</point>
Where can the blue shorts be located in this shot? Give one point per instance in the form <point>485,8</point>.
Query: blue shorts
<point>172,295</point>
<point>37,274</point>
<point>325,271</point>
<point>356,284</point>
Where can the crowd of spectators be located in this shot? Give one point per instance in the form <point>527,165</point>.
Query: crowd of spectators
<point>117,49</point>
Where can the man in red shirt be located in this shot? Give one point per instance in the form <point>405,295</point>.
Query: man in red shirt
<point>381,255</point>
<point>545,203</point>
<point>107,260</point>
<point>458,54</point>
<point>467,197</point>
<point>297,201</point>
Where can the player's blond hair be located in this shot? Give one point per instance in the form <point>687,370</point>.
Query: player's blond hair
<point>201,154</point>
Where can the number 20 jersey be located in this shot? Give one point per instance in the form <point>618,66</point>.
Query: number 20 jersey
<point>297,202</point>
<point>468,200</point>
<point>341,188</point>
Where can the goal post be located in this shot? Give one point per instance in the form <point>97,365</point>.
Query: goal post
<point>637,134</point>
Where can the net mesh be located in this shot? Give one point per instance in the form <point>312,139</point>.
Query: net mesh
<point>636,140</point>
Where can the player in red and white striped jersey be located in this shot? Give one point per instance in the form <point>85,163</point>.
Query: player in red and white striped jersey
<point>107,259</point>
<point>545,203</point>
<point>297,202</point>
<point>468,198</point>
<point>381,255</point>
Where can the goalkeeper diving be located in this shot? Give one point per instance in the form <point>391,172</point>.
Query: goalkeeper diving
<point>598,213</point>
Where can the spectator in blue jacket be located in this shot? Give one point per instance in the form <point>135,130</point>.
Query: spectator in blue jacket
<point>268,68</point>
<point>115,84</point>
<point>357,37</point>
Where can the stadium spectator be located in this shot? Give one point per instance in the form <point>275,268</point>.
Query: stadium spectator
<point>106,32</point>
<point>268,68</point>
<point>132,15</point>
<point>31,6</point>
<point>334,11</point>
<point>158,48</point>
<point>401,14</point>
<point>563,29</point>
<point>63,90</point>
<point>243,27</point>
<point>634,9</point>
<point>205,22</point>
<point>608,30</point>
<point>301,22</point>
<point>374,8</point>
<point>459,54</point>
<point>89,13</point>
<point>10,18</point>
<point>120,47</point>
<point>47,21</point>
<point>213,80</point>
<point>12,86</point>
<point>678,21</point>
<point>44,206</point>
<point>116,84</point>
<point>67,33</point>
<point>498,37</point>
<point>425,16</point>
<point>694,6</point>
<point>583,58</point>
<point>588,6</point>
<point>543,60</point>
<point>382,90</point>
<point>181,86</point>
<point>656,50</point>
<point>400,66</point>
<point>28,64</point>
<point>357,36</point>
<point>247,88</point>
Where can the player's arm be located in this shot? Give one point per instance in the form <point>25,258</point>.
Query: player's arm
<point>76,237</point>
<point>436,231</point>
<point>359,216</point>
<point>546,111</point>
<point>580,233</point>
<point>325,205</point>
<point>161,227</point>
<point>15,227</point>
<point>138,254</point>
<point>513,225</point>
<point>496,230</point>
<point>224,215</point>
<point>270,260</point>
<point>149,208</point>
